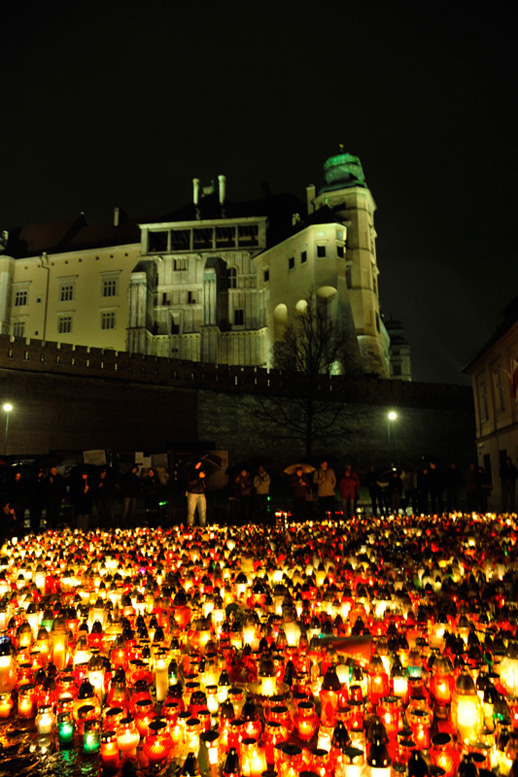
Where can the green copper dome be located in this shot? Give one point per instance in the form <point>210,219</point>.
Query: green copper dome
<point>343,171</point>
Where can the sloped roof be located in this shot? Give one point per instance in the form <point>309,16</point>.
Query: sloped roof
<point>510,314</point>
<point>69,235</point>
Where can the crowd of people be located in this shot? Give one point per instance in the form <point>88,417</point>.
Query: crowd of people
<point>92,496</point>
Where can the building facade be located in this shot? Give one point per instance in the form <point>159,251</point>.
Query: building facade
<point>494,375</point>
<point>213,282</point>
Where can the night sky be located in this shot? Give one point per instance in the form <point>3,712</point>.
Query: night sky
<point>117,102</point>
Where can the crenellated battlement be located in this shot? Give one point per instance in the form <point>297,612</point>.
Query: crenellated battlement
<point>38,356</point>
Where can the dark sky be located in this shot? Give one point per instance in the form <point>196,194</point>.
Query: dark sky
<point>119,102</point>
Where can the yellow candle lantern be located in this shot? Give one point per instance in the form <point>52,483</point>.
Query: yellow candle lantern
<point>466,709</point>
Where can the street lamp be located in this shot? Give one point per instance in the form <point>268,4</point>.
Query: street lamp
<point>7,410</point>
<point>391,416</point>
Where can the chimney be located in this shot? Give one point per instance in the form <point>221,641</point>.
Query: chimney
<point>222,181</point>
<point>196,191</point>
<point>310,196</point>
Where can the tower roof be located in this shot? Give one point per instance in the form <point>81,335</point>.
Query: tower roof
<point>342,172</point>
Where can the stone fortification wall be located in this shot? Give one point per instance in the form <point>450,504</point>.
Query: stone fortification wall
<point>77,398</point>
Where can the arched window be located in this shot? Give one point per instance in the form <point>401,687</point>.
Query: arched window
<point>232,278</point>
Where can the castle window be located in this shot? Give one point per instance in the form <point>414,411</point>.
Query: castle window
<point>291,263</point>
<point>321,251</point>
<point>266,276</point>
<point>66,292</point>
<point>157,241</point>
<point>20,298</point>
<point>378,322</point>
<point>349,277</point>
<point>232,278</point>
<point>64,325</point>
<point>110,287</point>
<point>340,251</point>
<point>108,321</point>
<point>180,264</point>
<point>303,257</point>
<point>19,329</point>
<point>239,317</point>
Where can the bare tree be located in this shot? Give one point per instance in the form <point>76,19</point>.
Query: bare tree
<point>321,342</point>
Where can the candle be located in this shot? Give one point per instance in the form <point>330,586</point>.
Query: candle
<point>6,705</point>
<point>45,720</point>
<point>109,750</point>
<point>91,737</point>
<point>65,729</point>
<point>128,737</point>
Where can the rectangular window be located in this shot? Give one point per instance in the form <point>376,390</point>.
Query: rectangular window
<point>64,325</point>
<point>348,277</point>
<point>303,257</point>
<point>266,276</point>
<point>19,329</point>
<point>110,287</point>
<point>157,241</point>
<point>180,264</point>
<point>291,263</point>
<point>321,251</point>
<point>66,292</point>
<point>239,317</point>
<point>482,393</point>
<point>340,251</point>
<point>20,298</point>
<point>108,321</point>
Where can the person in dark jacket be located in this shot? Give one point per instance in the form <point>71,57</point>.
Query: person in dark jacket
<point>81,494</point>
<point>151,489</point>
<point>395,489</point>
<point>18,498</point>
<point>422,491</point>
<point>104,490</point>
<point>371,481</point>
<point>36,499</point>
<point>436,486</point>
<point>130,487</point>
<point>454,482</point>
<point>55,494</point>
<point>300,493</point>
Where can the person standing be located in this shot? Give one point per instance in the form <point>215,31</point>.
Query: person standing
<point>36,499</point>
<point>395,490</point>
<point>325,480</point>
<point>349,486</point>
<point>262,490</point>
<point>104,498</point>
<point>18,501</point>
<point>436,485</point>
<point>453,487</point>
<point>130,487</point>
<point>508,475</point>
<point>195,490</point>
<point>371,481</point>
<point>55,493</point>
<point>300,495</point>
<point>151,488</point>
<point>82,499</point>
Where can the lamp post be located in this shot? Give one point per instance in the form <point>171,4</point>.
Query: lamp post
<point>7,410</point>
<point>391,416</point>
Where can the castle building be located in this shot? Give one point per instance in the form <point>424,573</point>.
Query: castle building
<point>213,282</point>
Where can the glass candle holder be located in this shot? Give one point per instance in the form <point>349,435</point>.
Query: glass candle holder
<point>26,701</point>
<point>128,738</point>
<point>158,743</point>
<point>109,750</point>
<point>91,737</point>
<point>65,729</point>
<point>45,720</point>
<point>6,705</point>
<point>306,720</point>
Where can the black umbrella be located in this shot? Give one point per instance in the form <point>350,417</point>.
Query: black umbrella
<point>211,463</point>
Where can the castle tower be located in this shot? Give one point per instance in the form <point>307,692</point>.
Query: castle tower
<point>346,191</point>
